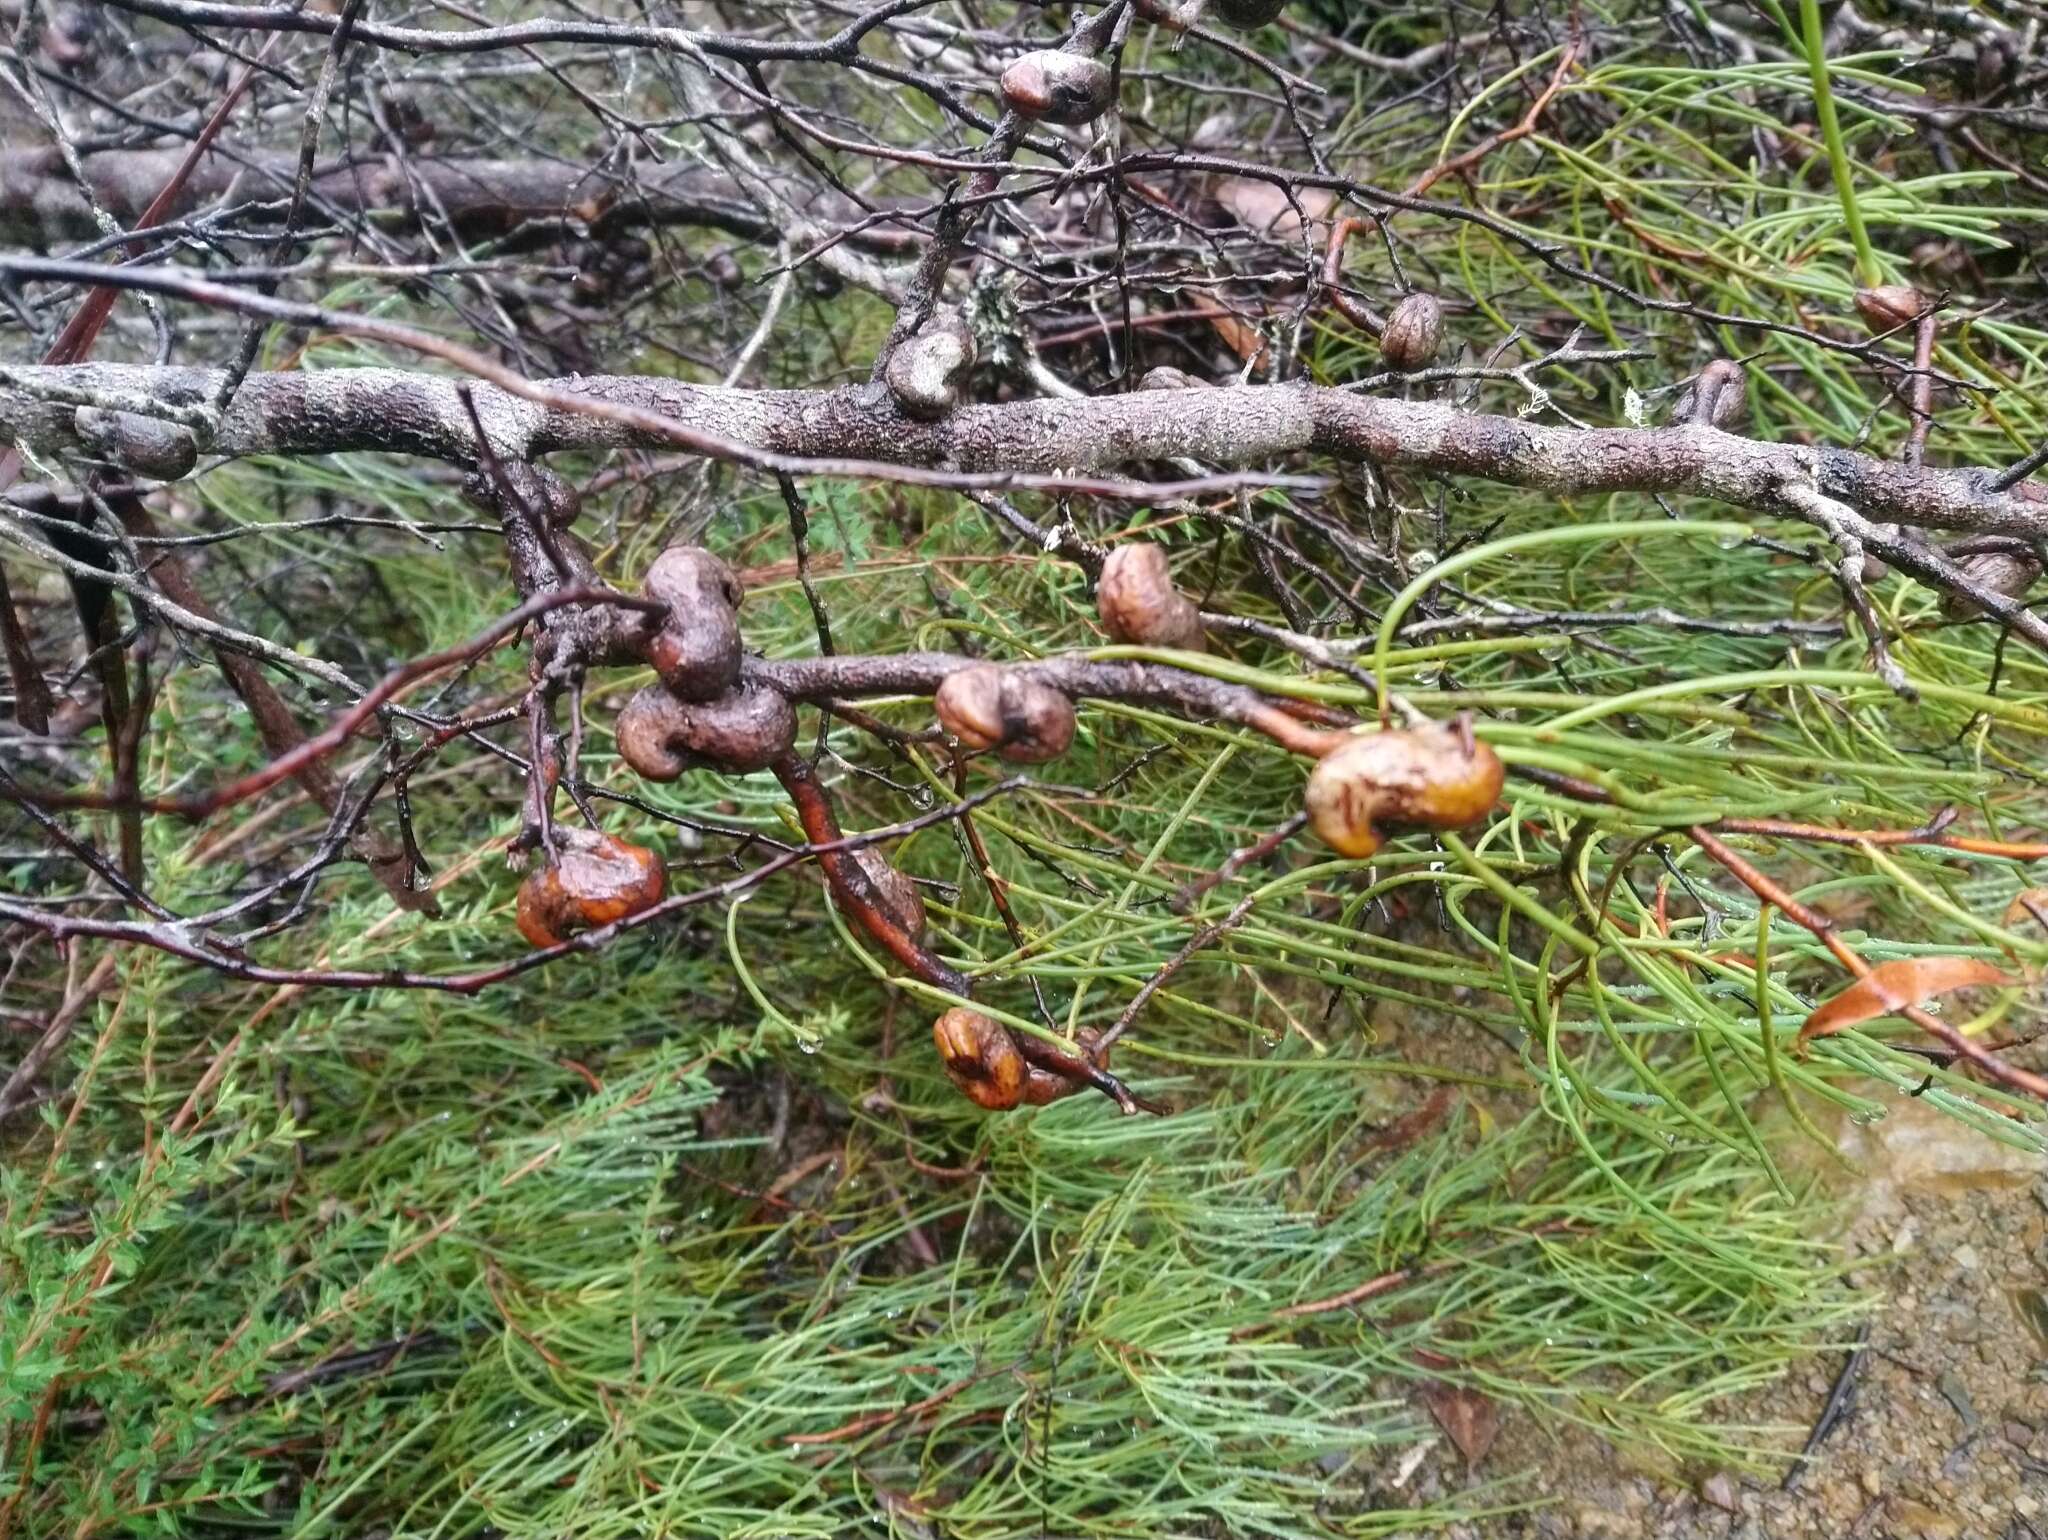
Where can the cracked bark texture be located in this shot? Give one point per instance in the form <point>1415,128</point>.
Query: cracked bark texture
<point>411,412</point>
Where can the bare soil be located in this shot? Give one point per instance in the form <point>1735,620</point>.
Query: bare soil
<point>1939,1428</point>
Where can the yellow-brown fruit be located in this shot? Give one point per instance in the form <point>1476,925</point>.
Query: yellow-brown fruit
<point>1433,777</point>
<point>593,879</point>
<point>1413,333</point>
<point>988,707</point>
<point>1890,306</point>
<point>1138,603</point>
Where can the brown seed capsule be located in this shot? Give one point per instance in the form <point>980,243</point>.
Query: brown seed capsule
<point>1414,332</point>
<point>1138,603</point>
<point>1718,398</point>
<point>981,1058</point>
<point>928,372</point>
<point>1890,306</point>
<point>2011,573</point>
<point>893,891</point>
<point>1994,66</point>
<point>747,728</point>
<point>1433,777</point>
<point>592,880</point>
<point>1166,377</point>
<point>1247,14</point>
<point>722,269</point>
<point>987,707</point>
<point>1052,86</point>
<point>696,650</point>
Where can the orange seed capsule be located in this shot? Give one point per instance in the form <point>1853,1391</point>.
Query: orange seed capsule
<point>592,880</point>
<point>1432,777</point>
<point>980,1058</point>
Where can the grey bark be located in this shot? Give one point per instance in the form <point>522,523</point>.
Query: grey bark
<point>41,205</point>
<point>411,412</point>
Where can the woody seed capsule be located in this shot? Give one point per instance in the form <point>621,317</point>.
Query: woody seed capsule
<point>1718,398</point>
<point>1138,603</point>
<point>696,650</point>
<point>1432,777</point>
<point>987,707</point>
<point>1053,86</point>
<point>983,1061</point>
<point>2010,573</point>
<point>927,373</point>
<point>893,892</point>
<point>592,880</point>
<point>748,728</point>
<point>1414,332</point>
<point>1890,306</point>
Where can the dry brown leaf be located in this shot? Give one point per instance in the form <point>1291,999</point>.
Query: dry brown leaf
<point>1240,337</point>
<point>1264,207</point>
<point>1411,1126</point>
<point>1467,1415</point>
<point>1893,986</point>
<point>2030,905</point>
